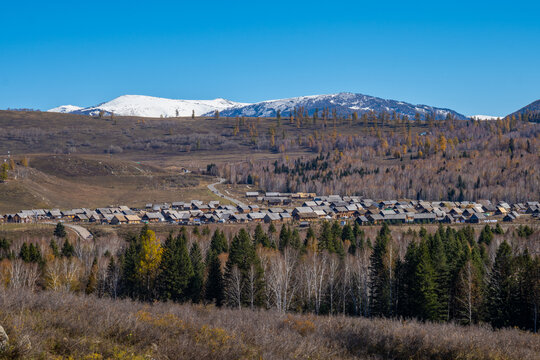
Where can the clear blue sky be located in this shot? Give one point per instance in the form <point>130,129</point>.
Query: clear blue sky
<point>477,57</point>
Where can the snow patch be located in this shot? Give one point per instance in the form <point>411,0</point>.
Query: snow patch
<point>485,117</point>
<point>65,109</point>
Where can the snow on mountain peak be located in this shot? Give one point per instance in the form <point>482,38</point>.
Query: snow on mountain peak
<point>485,117</point>
<point>149,106</point>
<point>344,104</point>
<point>65,109</point>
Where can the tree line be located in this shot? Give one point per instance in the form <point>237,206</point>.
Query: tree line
<point>449,275</point>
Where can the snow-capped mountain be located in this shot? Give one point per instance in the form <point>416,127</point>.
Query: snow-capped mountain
<point>65,109</point>
<point>485,117</point>
<point>149,106</point>
<point>343,103</point>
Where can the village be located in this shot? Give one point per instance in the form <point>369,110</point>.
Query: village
<point>302,208</point>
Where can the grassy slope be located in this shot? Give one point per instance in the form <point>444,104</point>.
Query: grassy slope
<point>62,325</point>
<point>90,178</point>
<point>68,181</point>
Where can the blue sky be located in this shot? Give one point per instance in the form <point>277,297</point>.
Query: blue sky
<point>476,57</point>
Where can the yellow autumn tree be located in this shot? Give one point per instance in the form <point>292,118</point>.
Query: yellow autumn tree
<point>149,258</point>
<point>442,143</point>
<point>384,144</point>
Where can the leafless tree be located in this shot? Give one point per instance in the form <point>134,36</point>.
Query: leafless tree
<point>280,279</point>
<point>233,288</point>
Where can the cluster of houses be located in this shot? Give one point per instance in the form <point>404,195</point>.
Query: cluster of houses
<point>367,211</point>
<point>364,211</point>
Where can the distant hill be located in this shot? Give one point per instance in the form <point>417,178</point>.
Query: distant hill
<point>343,103</point>
<point>149,106</point>
<point>66,109</point>
<point>531,112</point>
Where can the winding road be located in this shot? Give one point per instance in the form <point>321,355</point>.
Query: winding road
<point>79,230</point>
<point>212,188</point>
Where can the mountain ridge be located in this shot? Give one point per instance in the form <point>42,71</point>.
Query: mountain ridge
<point>344,104</point>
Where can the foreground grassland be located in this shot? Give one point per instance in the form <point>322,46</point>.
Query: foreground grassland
<point>60,326</point>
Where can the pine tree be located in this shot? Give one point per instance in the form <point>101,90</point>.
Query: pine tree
<point>196,284</point>
<point>92,283</point>
<point>326,238</point>
<point>218,243</point>
<point>67,249</point>
<point>380,277</point>
<point>243,261</point>
<point>501,288</point>
<point>527,290</point>
<point>175,270</point>
<point>5,245</point>
<point>35,254</point>
<point>295,241</point>
<point>425,294</point>
<point>113,279</point>
<point>214,282</point>
<point>129,281</point>
<point>486,236</point>
<point>24,253</point>
<point>60,230</point>
<point>441,277</point>
<point>260,237</point>
<point>284,237</point>
<point>405,277</point>
<point>54,248</point>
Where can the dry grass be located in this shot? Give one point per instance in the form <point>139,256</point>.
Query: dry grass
<point>59,325</point>
<point>97,181</point>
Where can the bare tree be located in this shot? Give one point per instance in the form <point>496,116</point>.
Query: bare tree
<point>279,277</point>
<point>360,275</point>
<point>233,288</point>
<point>332,278</point>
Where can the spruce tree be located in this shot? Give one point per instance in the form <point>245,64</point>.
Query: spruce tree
<point>425,293</point>
<point>405,276</point>
<point>5,246</point>
<point>380,276</point>
<point>67,249</point>
<point>441,277</point>
<point>130,285</point>
<point>326,238</point>
<point>175,270</point>
<point>500,288</point>
<point>112,285</point>
<point>214,290</point>
<point>486,236</point>
<point>24,253</point>
<point>92,283</point>
<point>54,248</point>
<point>35,254</point>
<point>218,243</point>
<point>60,230</point>
<point>242,255</point>
<point>260,237</point>
<point>284,237</point>
<point>196,284</point>
<point>527,290</point>
<point>295,241</point>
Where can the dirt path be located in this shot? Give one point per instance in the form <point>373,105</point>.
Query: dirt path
<point>212,188</point>
<point>79,230</point>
